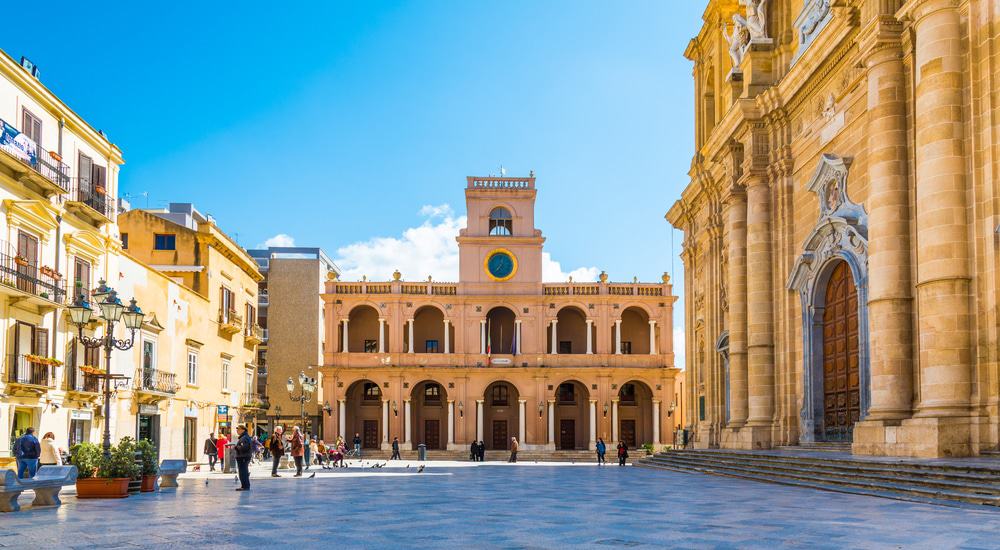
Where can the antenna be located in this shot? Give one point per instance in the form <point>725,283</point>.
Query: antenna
<point>503,171</point>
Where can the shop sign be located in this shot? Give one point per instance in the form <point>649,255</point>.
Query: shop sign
<point>190,412</point>
<point>148,409</point>
<point>80,415</point>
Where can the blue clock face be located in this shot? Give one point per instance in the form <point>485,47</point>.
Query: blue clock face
<point>500,265</point>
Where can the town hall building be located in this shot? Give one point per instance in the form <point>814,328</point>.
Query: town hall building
<point>499,354</point>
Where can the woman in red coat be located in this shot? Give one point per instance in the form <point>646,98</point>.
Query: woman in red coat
<point>220,445</point>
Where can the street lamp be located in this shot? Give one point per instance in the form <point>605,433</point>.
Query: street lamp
<point>307,386</point>
<point>111,311</point>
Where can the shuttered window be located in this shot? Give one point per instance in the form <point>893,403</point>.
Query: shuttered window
<point>40,344</point>
<point>32,127</point>
<point>81,276</point>
<point>85,170</point>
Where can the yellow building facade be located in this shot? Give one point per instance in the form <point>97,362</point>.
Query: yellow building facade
<point>841,226</point>
<point>499,354</point>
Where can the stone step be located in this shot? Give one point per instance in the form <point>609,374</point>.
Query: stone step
<point>811,484</point>
<point>818,446</point>
<point>871,478</point>
<point>958,484</point>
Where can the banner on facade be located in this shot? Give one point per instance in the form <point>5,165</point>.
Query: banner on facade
<point>80,415</point>
<point>18,144</point>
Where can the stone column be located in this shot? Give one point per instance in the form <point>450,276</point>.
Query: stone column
<point>736,220</point>
<point>593,425</point>
<point>552,422</point>
<point>346,339</point>
<point>385,424</point>
<point>618,336</point>
<point>555,338</point>
<point>590,336</point>
<point>890,307</point>
<point>451,423</point>
<point>517,336</point>
<point>652,337</point>
<point>521,431</point>
<point>656,423</point>
<point>381,335</point>
<point>411,348</point>
<point>479,419</point>
<point>760,305</point>
<point>614,419</point>
<point>482,337</point>
<point>943,270</point>
<point>406,423</point>
<point>447,336</point>
<point>342,418</point>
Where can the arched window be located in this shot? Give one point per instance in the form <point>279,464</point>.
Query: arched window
<point>501,222</point>
<point>432,393</point>
<point>372,392</point>
<point>500,395</point>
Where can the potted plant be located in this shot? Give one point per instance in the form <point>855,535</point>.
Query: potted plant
<point>104,477</point>
<point>150,465</point>
<point>21,260</point>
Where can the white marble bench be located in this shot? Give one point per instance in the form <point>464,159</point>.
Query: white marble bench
<point>169,470</point>
<point>47,483</point>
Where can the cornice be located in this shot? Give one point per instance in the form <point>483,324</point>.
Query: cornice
<point>917,10</point>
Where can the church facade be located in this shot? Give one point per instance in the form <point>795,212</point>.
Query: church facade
<point>841,226</point>
<point>499,354</point>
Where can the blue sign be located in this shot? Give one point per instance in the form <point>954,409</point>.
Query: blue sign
<point>18,144</point>
<point>223,409</point>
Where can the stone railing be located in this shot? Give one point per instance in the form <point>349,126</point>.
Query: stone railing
<point>492,182</point>
<point>451,289</point>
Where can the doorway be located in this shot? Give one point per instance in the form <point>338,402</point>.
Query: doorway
<point>369,435</point>
<point>499,434</point>
<point>567,434</point>
<point>841,381</point>
<point>432,434</point>
<point>191,439</point>
<point>148,427</point>
<point>628,433</point>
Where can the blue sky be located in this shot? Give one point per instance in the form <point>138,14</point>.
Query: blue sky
<point>349,125</point>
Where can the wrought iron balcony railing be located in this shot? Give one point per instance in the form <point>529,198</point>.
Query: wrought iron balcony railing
<point>43,162</point>
<point>254,401</point>
<point>79,381</point>
<point>22,371</point>
<point>17,272</point>
<point>156,381</point>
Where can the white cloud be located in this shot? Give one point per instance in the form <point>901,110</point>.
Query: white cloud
<point>679,347</point>
<point>429,249</point>
<point>280,239</point>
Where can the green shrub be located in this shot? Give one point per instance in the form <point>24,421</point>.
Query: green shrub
<point>150,460</point>
<point>122,461</point>
<point>88,459</point>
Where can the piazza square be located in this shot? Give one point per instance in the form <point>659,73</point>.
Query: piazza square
<point>716,274</point>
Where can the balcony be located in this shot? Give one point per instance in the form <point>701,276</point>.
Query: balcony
<point>82,386</point>
<point>254,401</point>
<point>91,202</point>
<point>253,334</point>
<point>469,360</point>
<point>263,299</point>
<point>152,385</point>
<point>27,281</point>
<point>230,322</point>
<point>28,377</point>
<point>31,163</point>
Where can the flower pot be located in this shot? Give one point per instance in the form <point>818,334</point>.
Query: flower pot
<point>102,487</point>
<point>148,484</point>
<point>21,261</point>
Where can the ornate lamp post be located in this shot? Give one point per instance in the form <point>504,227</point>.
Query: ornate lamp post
<point>307,386</point>
<point>111,311</point>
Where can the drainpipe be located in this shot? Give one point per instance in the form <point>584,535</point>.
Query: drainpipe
<point>55,317</point>
<point>62,124</point>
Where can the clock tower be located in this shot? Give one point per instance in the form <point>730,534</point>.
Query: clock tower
<point>500,251</point>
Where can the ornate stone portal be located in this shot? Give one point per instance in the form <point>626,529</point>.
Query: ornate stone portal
<point>840,234</point>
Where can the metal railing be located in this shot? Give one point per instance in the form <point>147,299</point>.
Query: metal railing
<point>17,272</point>
<point>254,401</point>
<point>77,380</point>
<point>43,162</point>
<point>22,371</point>
<point>156,380</point>
<point>88,194</point>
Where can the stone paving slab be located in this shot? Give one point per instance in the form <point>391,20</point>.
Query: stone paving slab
<point>497,506</point>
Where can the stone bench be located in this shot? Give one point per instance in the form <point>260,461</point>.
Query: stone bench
<point>169,470</point>
<point>47,483</point>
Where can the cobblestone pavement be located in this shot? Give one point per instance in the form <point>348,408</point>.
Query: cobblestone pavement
<point>495,506</point>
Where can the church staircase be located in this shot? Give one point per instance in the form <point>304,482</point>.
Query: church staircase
<point>951,482</point>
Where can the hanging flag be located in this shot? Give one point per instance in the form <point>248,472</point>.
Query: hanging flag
<point>489,349</point>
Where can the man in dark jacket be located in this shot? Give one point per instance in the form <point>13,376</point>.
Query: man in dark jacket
<point>357,445</point>
<point>27,449</point>
<point>276,445</point>
<point>243,451</point>
<point>212,451</point>
<point>395,449</point>
<point>474,451</point>
<point>482,451</point>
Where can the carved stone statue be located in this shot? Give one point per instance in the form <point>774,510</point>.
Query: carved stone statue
<point>756,19</point>
<point>820,9</point>
<point>737,40</point>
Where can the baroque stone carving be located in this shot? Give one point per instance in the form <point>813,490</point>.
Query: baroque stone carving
<point>840,234</point>
<point>814,16</point>
<point>746,29</point>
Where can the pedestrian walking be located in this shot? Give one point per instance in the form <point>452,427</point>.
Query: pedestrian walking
<point>212,450</point>
<point>513,450</point>
<point>395,449</point>
<point>474,451</point>
<point>243,451</point>
<point>357,445</point>
<point>482,451</point>
<point>298,449</point>
<point>27,449</point>
<point>49,455</point>
<point>602,448</point>
<point>220,449</point>
<point>308,442</point>
<point>277,447</point>
<point>622,453</point>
